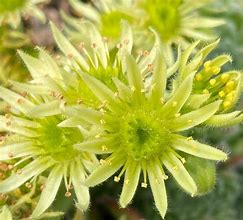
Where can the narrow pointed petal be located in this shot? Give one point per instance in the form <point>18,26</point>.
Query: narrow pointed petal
<point>178,99</point>
<point>221,60</point>
<point>130,183</point>
<point>223,120</point>
<point>197,149</point>
<point>194,118</point>
<point>7,125</point>
<point>33,169</point>
<point>49,193</point>
<point>208,49</point>
<point>105,170</point>
<point>126,37</point>
<point>17,150</point>
<point>73,122</point>
<point>46,109</point>
<point>100,146</point>
<point>176,168</point>
<point>195,101</point>
<point>77,175</point>
<point>67,48</point>
<point>159,78</point>
<point>133,74</point>
<point>15,100</point>
<point>102,92</point>
<point>156,180</point>
<point>123,91</point>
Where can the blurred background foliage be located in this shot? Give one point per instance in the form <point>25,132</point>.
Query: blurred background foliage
<point>225,202</point>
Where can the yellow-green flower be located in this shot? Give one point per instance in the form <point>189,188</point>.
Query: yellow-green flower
<point>40,147</point>
<point>140,127</point>
<point>177,22</point>
<point>11,11</point>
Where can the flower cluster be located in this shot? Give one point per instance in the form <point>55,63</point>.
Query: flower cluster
<point>92,112</point>
<point>177,22</point>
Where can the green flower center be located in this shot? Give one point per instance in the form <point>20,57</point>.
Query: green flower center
<point>164,16</point>
<point>58,141</point>
<point>143,135</point>
<point>110,23</point>
<point>11,5</point>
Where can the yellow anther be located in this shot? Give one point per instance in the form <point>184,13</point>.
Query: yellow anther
<point>97,136</point>
<point>199,77</point>
<point>133,89</point>
<point>116,179</point>
<point>207,64</point>
<point>28,185</point>
<point>216,70</point>
<point>104,148</point>
<point>189,121</point>
<point>212,82</point>
<point>143,90</point>
<point>224,78</point>
<point>230,85</point>
<point>144,185</point>
<point>165,177</point>
<point>205,91</point>
<point>221,94</point>
<point>183,160</point>
<point>189,138</point>
<point>102,121</point>
<point>208,69</point>
<point>177,115</point>
<point>226,104</point>
<point>102,161</point>
<point>174,104</point>
<point>162,101</point>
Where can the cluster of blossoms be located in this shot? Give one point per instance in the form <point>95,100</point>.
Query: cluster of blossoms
<point>92,112</point>
<point>176,21</point>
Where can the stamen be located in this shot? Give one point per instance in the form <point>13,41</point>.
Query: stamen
<point>221,94</point>
<point>212,82</point>
<point>104,148</point>
<point>68,194</point>
<point>199,77</point>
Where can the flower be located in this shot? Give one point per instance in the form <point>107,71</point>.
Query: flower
<point>40,147</point>
<point>12,10</point>
<point>140,127</point>
<point>177,22</point>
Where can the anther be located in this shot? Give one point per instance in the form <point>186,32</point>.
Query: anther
<point>221,94</point>
<point>10,166</point>
<point>42,187</point>
<point>212,82</point>
<point>230,85</point>
<point>28,185</point>
<point>93,45</point>
<point>104,148</point>
<point>102,161</point>
<point>69,55</point>
<point>81,45</point>
<point>216,70</point>
<point>174,104</point>
<point>226,104</point>
<point>143,90</point>
<point>145,53</point>
<point>189,121</point>
<point>119,45</point>
<point>165,177</point>
<point>133,88</point>
<point>224,78</point>
<point>68,194</point>
<point>162,101</point>
<point>19,101</point>
<point>116,179</point>
<point>102,121</point>
<point>207,64</point>
<point>205,91</point>
<point>10,154</point>
<point>199,77</point>
<point>189,138</point>
<point>177,115</point>
<point>144,185</point>
<point>126,41</point>
<point>97,136</point>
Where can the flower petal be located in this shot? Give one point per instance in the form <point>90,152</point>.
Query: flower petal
<point>107,168</point>
<point>67,48</point>
<point>156,179</point>
<point>130,183</point>
<point>178,99</point>
<point>197,149</point>
<point>49,193</point>
<point>5,214</point>
<point>16,150</point>
<point>176,168</point>
<point>77,175</point>
<point>32,169</point>
<point>194,118</point>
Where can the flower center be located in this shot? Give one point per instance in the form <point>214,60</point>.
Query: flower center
<point>58,141</point>
<point>164,17</point>
<point>11,5</point>
<point>143,135</point>
<point>110,23</point>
